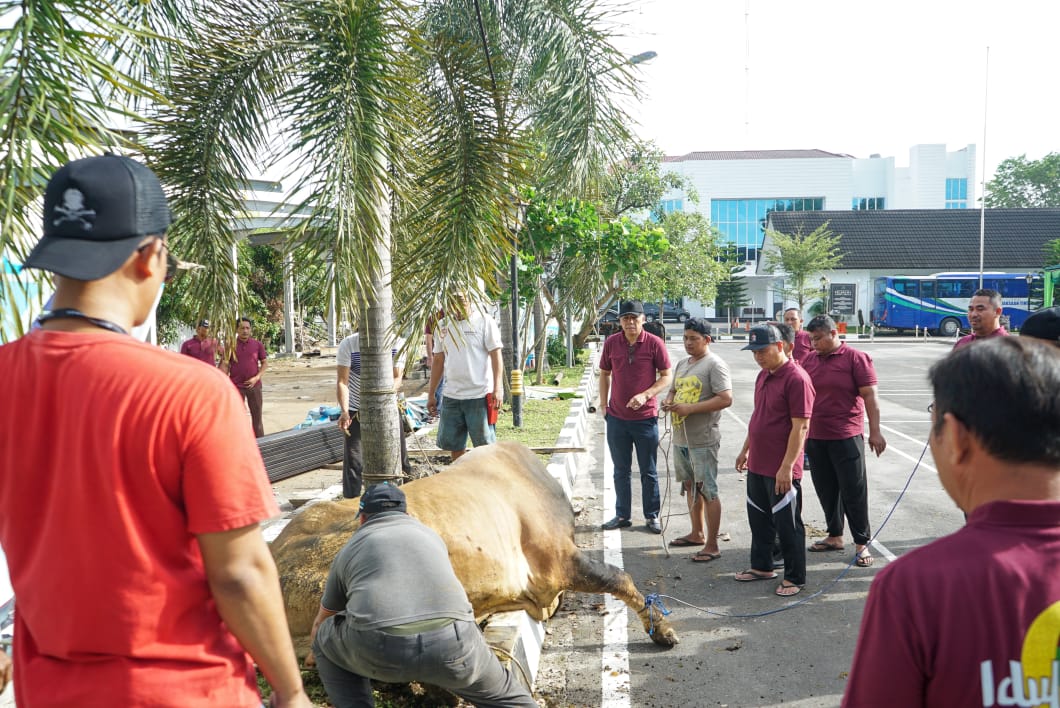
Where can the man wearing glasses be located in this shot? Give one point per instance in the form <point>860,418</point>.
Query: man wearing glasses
<point>971,619</point>
<point>131,491</point>
<point>634,369</point>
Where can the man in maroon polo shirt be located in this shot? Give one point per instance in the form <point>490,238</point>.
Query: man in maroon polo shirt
<point>802,348</point>
<point>201,346</point>
<point>845,381</point>
<point>984,315</point>
<point>772,457</point>
<point>246,367</point>
<point>639,366</point>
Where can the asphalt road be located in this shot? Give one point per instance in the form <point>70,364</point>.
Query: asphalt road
<point>735,649</point>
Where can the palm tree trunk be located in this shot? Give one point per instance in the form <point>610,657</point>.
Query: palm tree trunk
<point>379,415</point>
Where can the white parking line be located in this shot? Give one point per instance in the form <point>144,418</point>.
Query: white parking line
<point>614,676</point>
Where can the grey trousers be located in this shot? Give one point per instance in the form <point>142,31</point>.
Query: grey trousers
<point>455,657</point>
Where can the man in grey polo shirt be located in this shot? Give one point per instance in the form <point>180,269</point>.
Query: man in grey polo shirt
<point>394,611</point>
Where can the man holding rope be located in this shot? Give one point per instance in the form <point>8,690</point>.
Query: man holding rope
<point>701,389</point>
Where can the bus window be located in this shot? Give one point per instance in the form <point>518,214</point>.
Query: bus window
<point>955,288</point>
<point>907,287</point>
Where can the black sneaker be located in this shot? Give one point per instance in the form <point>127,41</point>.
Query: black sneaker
<point>616,523</point>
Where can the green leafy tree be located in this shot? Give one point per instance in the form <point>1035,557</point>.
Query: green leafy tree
<point>1052,252</point>
<point>1020,183</point>
<point>638,181</point>
<point>797,257</point>
<point>690,266</point>
<point>732,289</point>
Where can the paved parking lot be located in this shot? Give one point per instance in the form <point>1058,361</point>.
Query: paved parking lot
<point>735,649</point>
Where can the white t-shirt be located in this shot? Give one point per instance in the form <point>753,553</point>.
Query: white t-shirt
<point>467,345</point>
<point>349,354</point>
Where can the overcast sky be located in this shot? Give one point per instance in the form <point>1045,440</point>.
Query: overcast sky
<point>849,76</point>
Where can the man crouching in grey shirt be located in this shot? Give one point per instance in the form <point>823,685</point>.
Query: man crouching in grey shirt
<point>401,615</point>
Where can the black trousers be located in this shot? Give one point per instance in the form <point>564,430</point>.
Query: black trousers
<point>771,515</point>
<point>838,471</point>
<point>353,465</point>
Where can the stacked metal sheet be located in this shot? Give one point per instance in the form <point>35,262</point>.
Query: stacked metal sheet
<point>293,452</point>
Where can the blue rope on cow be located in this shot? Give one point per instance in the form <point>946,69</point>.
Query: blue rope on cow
<point>653,600</point>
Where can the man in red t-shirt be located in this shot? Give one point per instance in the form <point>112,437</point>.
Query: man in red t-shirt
<point>845,381</point>
<point>201,346</point>
<point>772,457</point>
<point>634,369</point>
<point>246,367</point>
<point>131,492</point>
<point>984,315</point>
<point>972,619</point>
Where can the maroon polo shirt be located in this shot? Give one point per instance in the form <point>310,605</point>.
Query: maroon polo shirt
<point>779,396</point>
<point>838,409</point>
<point>649,356</point>
<point>969,338</point>
<point>245,366</point>
<point>201,349</point>
<point>803,347</point>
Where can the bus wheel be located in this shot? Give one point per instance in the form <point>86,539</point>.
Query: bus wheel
<point>949,327</point>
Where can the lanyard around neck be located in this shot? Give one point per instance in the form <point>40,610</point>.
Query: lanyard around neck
<point>69,313</point>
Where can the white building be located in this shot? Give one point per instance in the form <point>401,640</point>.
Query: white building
<point>738,191</point>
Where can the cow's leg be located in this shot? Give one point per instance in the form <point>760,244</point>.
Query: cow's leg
<point>598,577</point>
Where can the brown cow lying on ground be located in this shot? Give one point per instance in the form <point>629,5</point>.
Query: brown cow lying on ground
<point>510,533</point>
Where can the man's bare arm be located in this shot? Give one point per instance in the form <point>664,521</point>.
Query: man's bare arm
<point>246,588</point>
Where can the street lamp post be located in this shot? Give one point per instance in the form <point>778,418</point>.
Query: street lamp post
<point>517,364</point>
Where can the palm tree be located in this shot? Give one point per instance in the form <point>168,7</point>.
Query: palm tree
<point>75,73</point>
<point>410,129</point>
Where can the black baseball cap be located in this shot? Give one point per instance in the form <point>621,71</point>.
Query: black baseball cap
<point>1043,324</point>
<point>97,211</point>
<point>383,497</point>
<point>698,324</point>
<point>204,323</point>
<point>761,337</point>
<point>631,307</point>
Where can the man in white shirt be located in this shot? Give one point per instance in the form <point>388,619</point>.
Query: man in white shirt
<point>467,350</point>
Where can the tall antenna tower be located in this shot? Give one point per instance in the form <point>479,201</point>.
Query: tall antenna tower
<point>747,74</point>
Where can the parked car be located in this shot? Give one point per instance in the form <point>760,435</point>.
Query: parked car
<point>671,312</point>
<point>608,323</point>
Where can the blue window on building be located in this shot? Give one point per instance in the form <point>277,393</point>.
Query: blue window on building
<point>667,206</point>
<point>866,203</point>
<point>956,193</point>
<point>742,221</point>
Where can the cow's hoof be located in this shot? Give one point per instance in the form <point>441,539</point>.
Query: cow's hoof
<point>665,638</point>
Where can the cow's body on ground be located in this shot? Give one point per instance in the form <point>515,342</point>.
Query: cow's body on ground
<point>509,529</point>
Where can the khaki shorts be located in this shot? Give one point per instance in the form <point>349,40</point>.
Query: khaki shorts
<point>699,465</point>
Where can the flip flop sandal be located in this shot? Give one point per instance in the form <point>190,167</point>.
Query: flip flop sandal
<point>705,557</point>
<point>864,559</point>
<point>787,590</point>
<point>684,543</point>
<point>749,576</point>
<point>822,547</point>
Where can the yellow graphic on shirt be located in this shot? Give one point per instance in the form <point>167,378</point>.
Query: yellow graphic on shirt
<point>1034,680</point>
<point>687,389</point>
